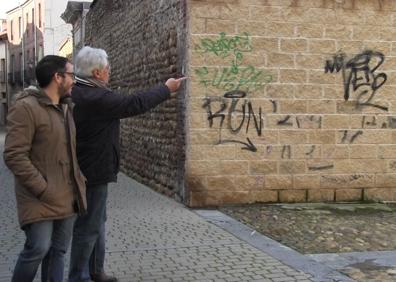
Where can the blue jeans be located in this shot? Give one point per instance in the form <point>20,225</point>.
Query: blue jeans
<point>88,245</point>
<point>96,261</point>
<point>46,243</point>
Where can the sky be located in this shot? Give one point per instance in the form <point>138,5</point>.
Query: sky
<point>6,5</point>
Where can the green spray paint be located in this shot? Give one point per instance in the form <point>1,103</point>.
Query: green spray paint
<point>237,76</point>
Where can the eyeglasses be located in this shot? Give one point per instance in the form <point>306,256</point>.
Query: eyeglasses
<point>73,76</point>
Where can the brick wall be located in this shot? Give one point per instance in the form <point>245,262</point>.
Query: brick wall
<point>145,41</point>
<point>291,101</point>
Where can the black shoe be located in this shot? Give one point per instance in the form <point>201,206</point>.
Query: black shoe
<point>103,277</point>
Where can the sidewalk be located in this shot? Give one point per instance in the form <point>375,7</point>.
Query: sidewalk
<point>153,238</point>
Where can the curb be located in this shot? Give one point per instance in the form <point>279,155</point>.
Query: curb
<point>286,255</point>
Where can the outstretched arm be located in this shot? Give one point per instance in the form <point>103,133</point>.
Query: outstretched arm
<point>115,105</point>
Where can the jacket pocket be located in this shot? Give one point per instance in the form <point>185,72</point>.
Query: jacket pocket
<point>42,170</point>
<point>53,175</point>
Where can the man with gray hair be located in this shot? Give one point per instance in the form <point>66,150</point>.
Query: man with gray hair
<point>97,115</point>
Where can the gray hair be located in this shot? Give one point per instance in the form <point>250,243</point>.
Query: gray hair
<point>89,59</point>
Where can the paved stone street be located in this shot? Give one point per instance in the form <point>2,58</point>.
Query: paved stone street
<point>358,239</point>
<point>153,238</point>
<point>323,228</point>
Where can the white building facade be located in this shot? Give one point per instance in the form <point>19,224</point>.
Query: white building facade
<point>56,31</point>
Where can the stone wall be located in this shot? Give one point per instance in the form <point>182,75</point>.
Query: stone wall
<point>291,101</point>
<point>145,41</point>
<point>287,100</point>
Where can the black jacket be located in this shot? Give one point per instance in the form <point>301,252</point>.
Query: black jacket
<point>97,115</point>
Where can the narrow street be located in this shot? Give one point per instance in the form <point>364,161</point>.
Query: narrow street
<point>153,238</point>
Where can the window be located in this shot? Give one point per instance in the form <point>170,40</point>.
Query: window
<point>28,66</point>
<point>40,52</point>
<point>12,29</point>
<point>33,27</point>
<point>20,61</point>
<point>39,14</point>
<point>20,26</point>
<point>27,24</point>
<point>12,65</point>
<point>12,69</point>
<point>19,75</point>
<point>2,71</point>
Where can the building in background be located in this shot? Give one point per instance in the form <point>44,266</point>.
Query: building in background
<point>3,25</point>
<point>75,14</point>
<point>34,29</point>
<point>3,71</point>
<point>66,48</point>
<point>25,29</point>
<point>56,31</point>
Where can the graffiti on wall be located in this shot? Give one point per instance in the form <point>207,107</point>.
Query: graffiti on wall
<point>234,113</point>
<point>237,115</point>
<point>375,122</point>
<point>233,110</point>
<point>360,76</point>
<point>235,76</point>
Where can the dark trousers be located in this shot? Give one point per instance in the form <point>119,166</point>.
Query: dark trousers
<point>88,245</point>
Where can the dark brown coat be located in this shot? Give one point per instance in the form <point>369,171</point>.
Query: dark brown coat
<point>40,151</point>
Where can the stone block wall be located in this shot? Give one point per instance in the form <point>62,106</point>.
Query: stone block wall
<point>291,101</point>
<point>286,101</point>
<point>145,41</point>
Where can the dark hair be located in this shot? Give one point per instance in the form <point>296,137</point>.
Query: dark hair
<point>47,67</point>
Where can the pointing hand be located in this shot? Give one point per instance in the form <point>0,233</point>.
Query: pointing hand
<point>174,84</point>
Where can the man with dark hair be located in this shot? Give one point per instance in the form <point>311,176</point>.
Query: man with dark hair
<point>49,187</point>
<point>97,114</point>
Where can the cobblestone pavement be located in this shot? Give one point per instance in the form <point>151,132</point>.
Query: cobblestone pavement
<point>360,233</point>
<point>153,238</point>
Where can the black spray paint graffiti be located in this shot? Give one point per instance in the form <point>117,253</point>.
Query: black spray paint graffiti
<point>310,121</point>
<point>374,122</point>
<point>286,151</point>
<point>237,80</point>
<point>359,73</point>
<point>323,167</point>
<point>350,136</point>
<point>236,76</point>
<point>230,112</point>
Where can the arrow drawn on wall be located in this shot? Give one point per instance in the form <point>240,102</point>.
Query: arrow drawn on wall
<point>248,145</point>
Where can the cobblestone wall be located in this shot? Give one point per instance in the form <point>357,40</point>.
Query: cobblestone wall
<point>292,101</point>
<point>146,45</point>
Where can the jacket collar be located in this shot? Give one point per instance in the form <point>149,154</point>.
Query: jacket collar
<point>40,95</point>
<point>91,82</point>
